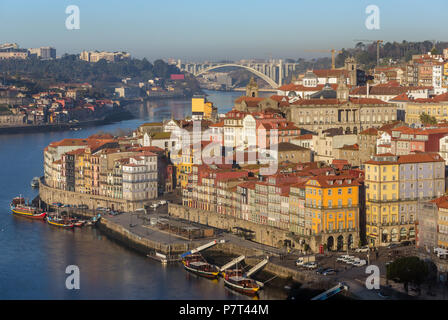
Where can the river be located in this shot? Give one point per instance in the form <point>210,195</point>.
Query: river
<point>34,256</point>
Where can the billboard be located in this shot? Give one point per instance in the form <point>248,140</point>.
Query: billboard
<point>177,77</point>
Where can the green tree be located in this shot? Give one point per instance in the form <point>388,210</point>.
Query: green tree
<point>408,270</point>
<point>427,119</point>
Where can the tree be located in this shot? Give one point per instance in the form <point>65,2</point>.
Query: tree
<point>427,119</point>
<point>408,270</point>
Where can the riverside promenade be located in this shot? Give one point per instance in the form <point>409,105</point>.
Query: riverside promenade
<point>135,232</point>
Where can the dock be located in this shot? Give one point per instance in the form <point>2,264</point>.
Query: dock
<point>257,267</point>
<point>232,263</point>
<point>200,248</point>
<point>163,258</point>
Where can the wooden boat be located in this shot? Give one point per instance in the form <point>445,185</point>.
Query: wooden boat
<point>58,222</point>
<point>196,264</point>
<point>18,207</point>
<point>236,280</point>
<point>78,223</point>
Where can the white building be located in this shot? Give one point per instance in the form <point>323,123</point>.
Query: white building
<point>140,177</point>
<point>443,148</point>
<point>249,134</point>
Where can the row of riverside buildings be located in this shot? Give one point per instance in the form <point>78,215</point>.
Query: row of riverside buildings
<point>351,169</point>
<point>107,171</point>
<point>373,165</point>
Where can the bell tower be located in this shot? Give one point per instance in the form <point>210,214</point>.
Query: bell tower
<point>342,91</point>
<point>252,88</point>
<point>350,65</point>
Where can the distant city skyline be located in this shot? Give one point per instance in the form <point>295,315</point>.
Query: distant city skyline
<point>205,30</point>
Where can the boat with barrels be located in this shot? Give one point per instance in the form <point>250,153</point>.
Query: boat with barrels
<point>196,264</point>
<point>59,222</point>
<point>235,279</point>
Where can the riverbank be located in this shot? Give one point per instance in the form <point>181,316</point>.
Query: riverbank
<point>49,127</point>
<point>284,282</point>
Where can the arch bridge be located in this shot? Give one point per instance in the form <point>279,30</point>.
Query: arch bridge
<point>270,81</point>
<point>273,72</point>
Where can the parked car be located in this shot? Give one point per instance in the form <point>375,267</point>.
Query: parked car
<point>362,249</point>
<point>353,261</point>
<point>57,204</point>
<point>310,265</point>
<point>328,272</point>
<point>154,206</point>
<point>360,263</point>
<point>162,202</point>
<point>406,243</point>
<point>302,260</point>
<point>101,209</point>
<point>114,213</point>
<point>83,206</point>
<point>343,258</point>
<point>392,245</point>
<point>321,270</point>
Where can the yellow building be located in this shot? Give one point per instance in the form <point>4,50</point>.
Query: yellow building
<point>435,107</point>
<point>201,108</point>
<point>332,208</point>
<point>183,162</point>
<point>79,172</point>
<point>382,195</point>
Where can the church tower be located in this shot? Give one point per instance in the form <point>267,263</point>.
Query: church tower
<point>252,88</point>
<point>342,91</point>
<point>350,65</point>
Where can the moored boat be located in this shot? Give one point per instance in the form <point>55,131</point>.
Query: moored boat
<point>198,265</point>
<point>58,222</point>
<point>79,223</point>
<point>236,280</point>
<point>19,207</point>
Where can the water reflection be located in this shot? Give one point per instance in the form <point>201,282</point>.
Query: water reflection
<point>34,255</point>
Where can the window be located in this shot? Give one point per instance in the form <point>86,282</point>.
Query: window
<point>349,190</point>
<point>329,192</point>
<point>339,191</point>
<point>330,204</point>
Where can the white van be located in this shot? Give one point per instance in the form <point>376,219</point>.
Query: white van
<point>440,252</point>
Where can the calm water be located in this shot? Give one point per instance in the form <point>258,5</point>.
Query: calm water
<point>33,255</point>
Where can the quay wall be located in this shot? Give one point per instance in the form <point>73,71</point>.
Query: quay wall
<point>129,239</point>
<point>263,234</point>
<point>148,246</point>
<point>136,242</point>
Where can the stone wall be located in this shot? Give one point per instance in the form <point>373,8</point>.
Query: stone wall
<point>138,243</point>
<point>263,234</point>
